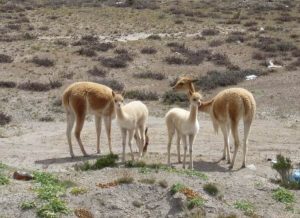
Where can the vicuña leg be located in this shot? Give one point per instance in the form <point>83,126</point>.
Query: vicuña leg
<point>247,126</point>
<point>185,148</point>
<point>124,136</point>
<point>98,120</point>
<point>191,142</point>
<point>178,147</point>
<point>142,141</point>
<point>226,135</point>
<point>107,122</point>
<point>70,124</point>
<point>130,136</point>
<point>235,134</point>
<point>79,124</point>
<point>171,132</point>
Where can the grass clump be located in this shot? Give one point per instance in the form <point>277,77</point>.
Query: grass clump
<point>148,50</point>
<point>142,95</point>
<point>78,191</point>
<point>5,58</point>
<point>177,187</point>
<point>4,180</point>
<point>245,206</point>
<point>89,52</point>
<point>7,84</point>
<point>283,166</point>
<point>114,62</point>
<point>96,71</point>
<point>134,164</point>
<point>283,195</point>
<point>126,179</point>
<point>149,181</point>
<point>195,202</point>
<point>154,37</point>
<point>112,83</point>
<point>150,75</point>
<point>171,97</point>
<point>102,162</point>
<point>28,205</point>
<point>211,189</point>
<point>4,119</point>
<point>210,32</point>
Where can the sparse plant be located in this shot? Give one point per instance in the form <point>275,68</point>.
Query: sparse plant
<point>46,119</point>
<point>4,180</point>
<point>78,191</point>
<point>115,62</point>
<point>126,179</point>
<point>102,162</point>
<point>245,206</point>
<point>142,95</point>
<point>283,166</point>
<point>148,50</point>
<point>89,52</point>
<point>45,62</point>
<point>220,59</point>
<point>195,202</point>
<point>215,43</point>
<point>174,60</point>
<point>211,189</point>
<point>4,119</point>
<point>34,86</point>
<point>283,195</point>
<point>177,187</point>
<point>96,71</point>
<point>5,58</point>
<point>150,75</point>
<point>148,180</point>
<point>132,164</point>
<point>210,32</point>
<point>28,205</point>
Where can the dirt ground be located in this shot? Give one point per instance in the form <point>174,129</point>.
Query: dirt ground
<point>27,143</point>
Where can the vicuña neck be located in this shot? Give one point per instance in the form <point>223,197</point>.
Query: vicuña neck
<point>120,113</point>
<point>193,113</point>
<point>206,106</point>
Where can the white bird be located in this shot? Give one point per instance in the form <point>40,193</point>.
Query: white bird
<point>272,65</point>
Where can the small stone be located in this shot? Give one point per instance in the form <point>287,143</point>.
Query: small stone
<point>19,175</point>
<point>137,203</point>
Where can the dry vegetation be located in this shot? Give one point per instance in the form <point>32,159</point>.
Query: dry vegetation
<point>139,46</point>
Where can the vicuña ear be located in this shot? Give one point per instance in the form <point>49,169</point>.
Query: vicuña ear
<point>123,93</point>
<point>113,94</point>
<point>190,93</point>
<point>194,80</point>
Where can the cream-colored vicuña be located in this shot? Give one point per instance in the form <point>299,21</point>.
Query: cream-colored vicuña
<point>86,97</point>
<point>132,118</point>
<point>186,125</point>
<point>226,109</point>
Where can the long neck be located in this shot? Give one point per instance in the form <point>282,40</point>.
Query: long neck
<point>120,113</point>
<point>206,106</point>
<point>193,113</point>
<point>191,87</point>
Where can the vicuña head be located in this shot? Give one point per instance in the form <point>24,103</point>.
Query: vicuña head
<point>195,98</point>
<point>184,83</point>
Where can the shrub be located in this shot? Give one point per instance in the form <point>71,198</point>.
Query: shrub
<point>46,119</point>
<point>284,196</point>
<point>147,180</point>
<point>121,51</point>
<point>125,180</point>
<point>220,59</point>
<point>154,37</point>
<point>174,60</point>
<point>210,32</point>
<point>215,43</point>
<point>89,52</point>
<point>115,62</point>
<point>296,53</point>
<point>142,95</point>
<point>150,75</point>
<point>28,205</point>
<point>195,202</point>
<point>102,162</point>
<point>259,56</point>
<point>171,97</point>
<point>214,79</point>
<point>97,72</point>
<point>177,187</point>
<point>112,83</point>
<point>45,62</point>
<point>54,84</point>
<point>39,87</point>
<point>211,189</point>
<point>5,58</point>
<point>283,166</point>
<point>7,84</point>
<point>4,119</point>
<point>105,46</point>
<point>148,50</point>
<point>245,206</point>
<point>269,44</point>
<point>78,191</point>
<point>4,180</point>
<point>250,23</point>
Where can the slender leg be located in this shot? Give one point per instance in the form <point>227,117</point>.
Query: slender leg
<point>226,139</point>
<point>107,122</point>
<point>130,136</point>
<point>234,129</point>
<point>124,135</point>
<point>247,125</point>
<point>185,148</point>
<point>178,147</point>
<point>142,141</point>
<point>137,139</point>
<point>70,124</point>
<point>98,131</point>
<point>228,145</point>
<point>191,141</point>
<point>79,124</point>
<point>171,132</point>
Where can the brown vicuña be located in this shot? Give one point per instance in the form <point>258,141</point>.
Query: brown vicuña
<point>226,109</point>
<point>81,98</point>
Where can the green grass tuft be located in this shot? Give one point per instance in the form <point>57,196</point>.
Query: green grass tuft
<point>177,187</point>
<point>102,162</point>
<point>211,189</point>
<point>78,191</point>
<point>195,202</point>
<point>283,195</point>
<point>245,206</point>
<point>4,180</point>
<point>28,205</point>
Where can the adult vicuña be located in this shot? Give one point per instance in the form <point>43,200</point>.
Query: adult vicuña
<point>83,97</point>
<point>185,124</point>
<point>226,109</point>
<point>132,118</point>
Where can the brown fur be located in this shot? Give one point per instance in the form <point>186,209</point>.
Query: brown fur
<point>86,97</point>
<point>226,109</point>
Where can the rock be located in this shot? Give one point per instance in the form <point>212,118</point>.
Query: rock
<point>19,175</point>
<point>251,167</point>
<point>180,199</point>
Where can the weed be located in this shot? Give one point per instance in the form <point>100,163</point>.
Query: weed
<point>126,179</point>
<point>245,206</point>
<point>78,191</point>
<point>28,205</point>
<point>148,50</point>
<point>210,32</point>
<point>52,208</point>
<point>283,195</point>
<point>211,189</point>
<point>45,62</point>
<point>170,97</point>
<point>150,75</point>
<point>112,83</point>
<point>4,180</point>
<point>102,162</point>
<point>177,187</point>
<point>4,119</point>
<point>142,95</point>
<point>163,183</point>
<point>5,58</point>
<point>133,164</point>
<point>97,72</point>
<point>46,119</point>
<point>195,202</point>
